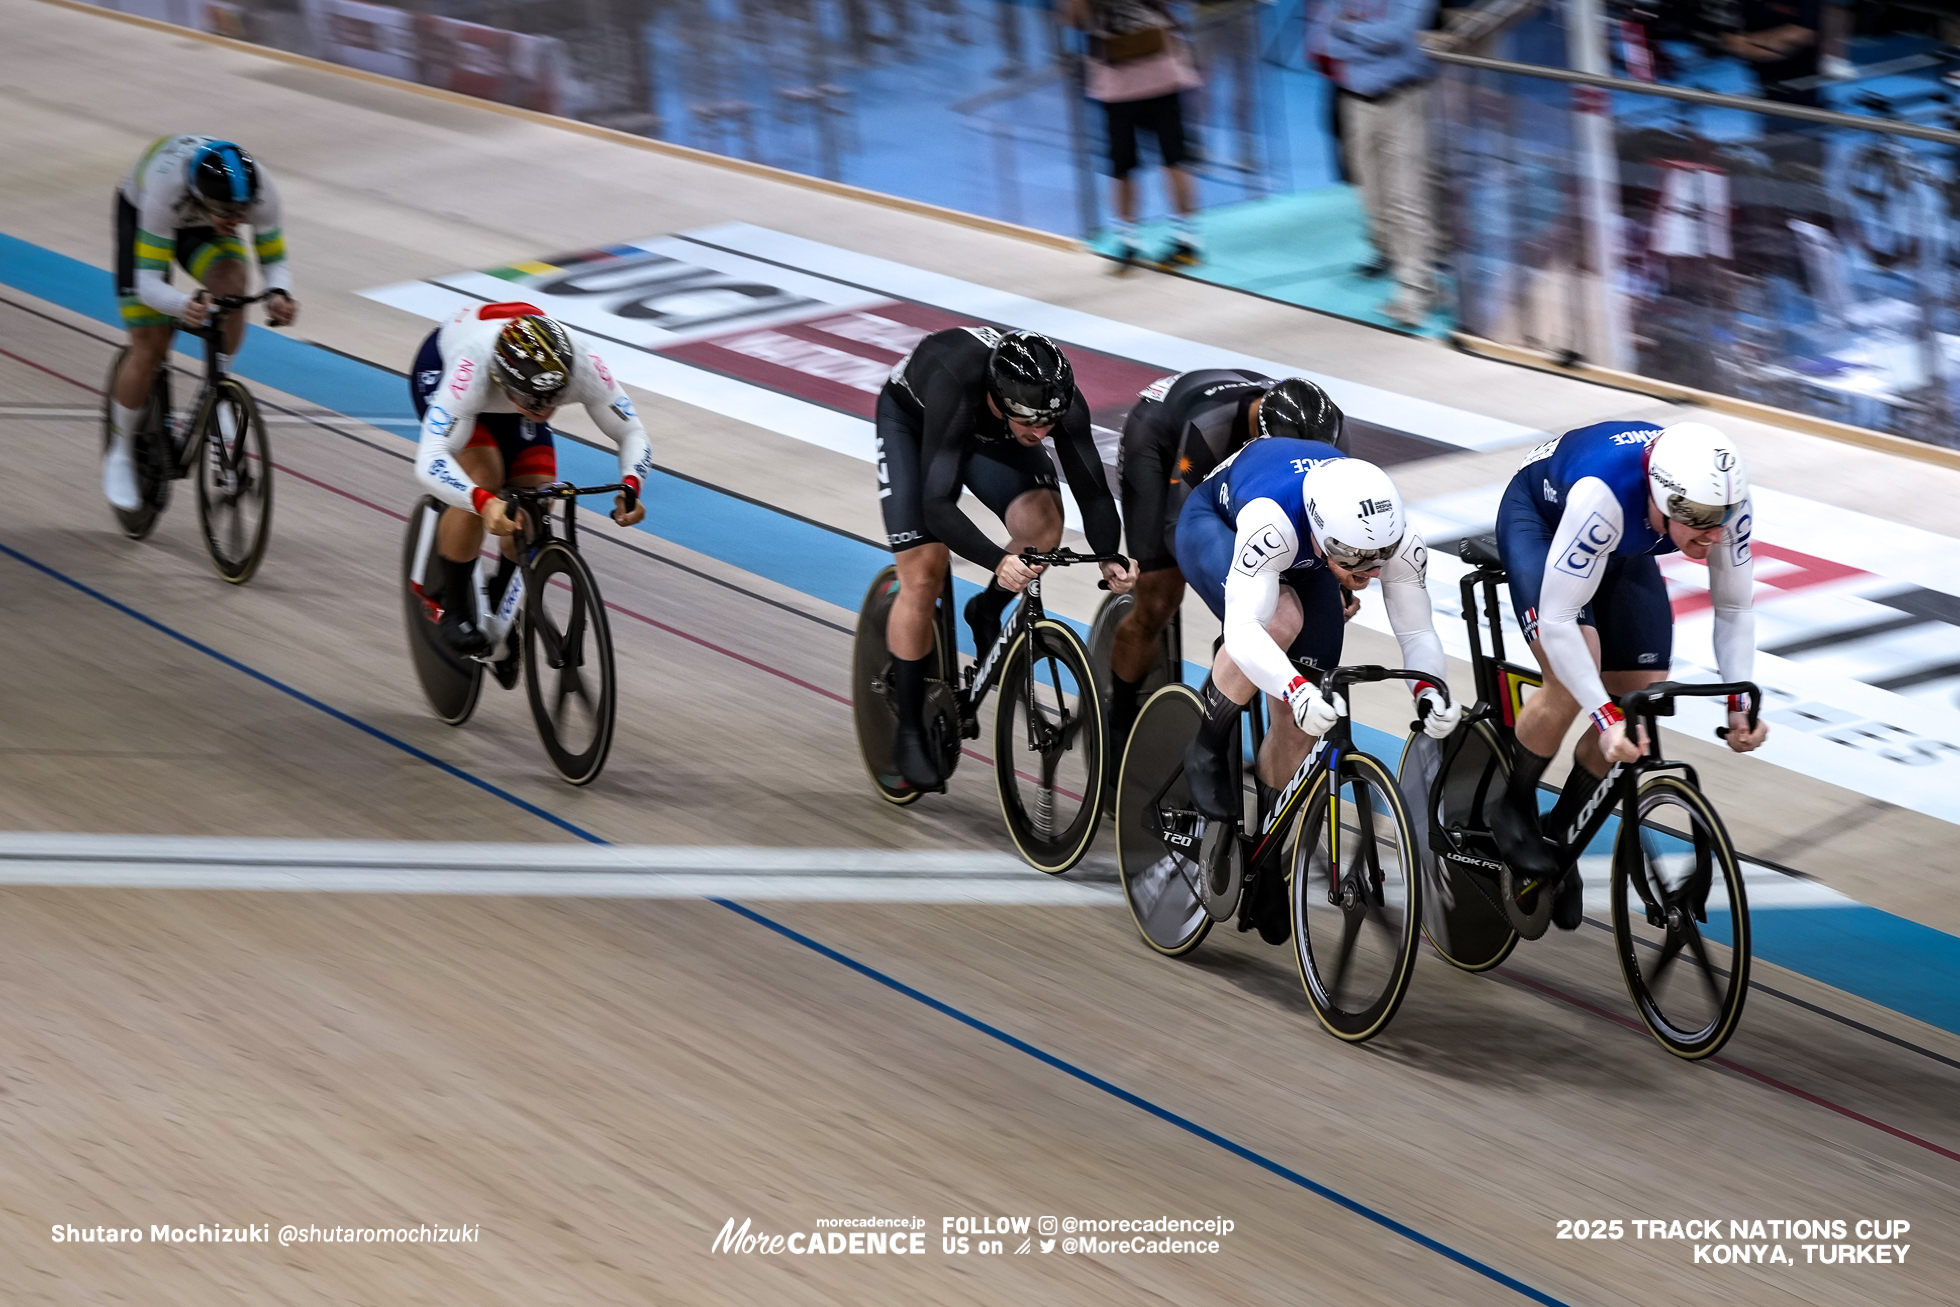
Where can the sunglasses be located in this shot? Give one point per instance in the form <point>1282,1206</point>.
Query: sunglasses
<point>1700,517</point>
<point>1357,560</point>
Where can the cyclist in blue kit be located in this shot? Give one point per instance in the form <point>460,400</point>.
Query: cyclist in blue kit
<point>1270,541</point>
<point>1579,530</point>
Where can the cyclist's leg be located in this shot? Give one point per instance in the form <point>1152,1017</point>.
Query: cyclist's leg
<point>1151,504</point>
<point>1205,549</point>
<point>1018,483</point>
<point>922,564</point>
<point>149,344</point>
<point>1524,539</point>
<point>459,539</point>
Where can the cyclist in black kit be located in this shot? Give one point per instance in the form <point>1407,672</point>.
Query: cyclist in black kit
<point>1181,429</point>
<point>970,407</point>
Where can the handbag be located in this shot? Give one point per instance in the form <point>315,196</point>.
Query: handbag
<point>1128,47</point>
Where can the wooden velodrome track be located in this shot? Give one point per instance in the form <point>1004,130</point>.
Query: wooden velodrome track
<point>599,1084</point>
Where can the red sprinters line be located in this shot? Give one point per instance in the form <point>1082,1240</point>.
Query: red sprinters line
<point>1551,991</point>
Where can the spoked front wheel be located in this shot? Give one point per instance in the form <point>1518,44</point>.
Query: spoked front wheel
<point>1681,919</point>
<point>1357,898</point>
<point>152,452</point>
<point>1048,747</point>
<point>568,663</point>
<point>1157,828</point>
<point>234,481</point>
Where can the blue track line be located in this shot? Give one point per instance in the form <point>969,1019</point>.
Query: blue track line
<point>1163,1114</point>
<point>944,1009</point>
<point>302,696</point>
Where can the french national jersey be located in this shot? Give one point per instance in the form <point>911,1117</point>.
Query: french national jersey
<point>1258,493</point>
<point>1590,486</point>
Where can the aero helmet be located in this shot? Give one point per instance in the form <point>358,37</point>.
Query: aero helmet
<point>533,360</point>
<point>223,178</point>
<point>1696,475</point>
<point>1355,512</point>
<point>1030,378</point>
<point>1300,410</point>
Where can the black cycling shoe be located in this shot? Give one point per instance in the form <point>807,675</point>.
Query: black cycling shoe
<point>1210,782</point>
<point>915,762</point>
<point>462,636</point>
<point>1273,912</point>
<point>1179,256</point>
<point>983,617</point>
<point>1520,841</point>
<point>1569,901</point>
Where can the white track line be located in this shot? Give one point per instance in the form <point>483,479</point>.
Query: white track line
<point>545,870</point>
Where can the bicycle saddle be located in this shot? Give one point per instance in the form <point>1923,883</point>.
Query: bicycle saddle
<point>1479,551</point>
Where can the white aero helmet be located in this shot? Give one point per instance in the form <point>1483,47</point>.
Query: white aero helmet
<point>1355,512</point>
<point>1696,475</point>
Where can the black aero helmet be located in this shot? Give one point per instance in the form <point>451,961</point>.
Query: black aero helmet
<point>533,359</point>
<point>1030,378</point>
<point>1300,410</point>
<point>223,177</point>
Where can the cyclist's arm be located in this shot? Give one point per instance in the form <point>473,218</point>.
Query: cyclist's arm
<point>156,245</point>
<point>446,427</point>
<point>946,429</point>
<point>1731,588</point>
<point>1082,464</point>
<point>614,414</point>
<point>1265,545</point>
<point>1587,534</point>
<point>268,242</point>
<point>1405,594</point>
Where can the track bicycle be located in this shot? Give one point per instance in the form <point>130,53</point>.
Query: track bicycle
<point>221,434</point>
<point>1338,833</point>
<point>1679,910</point>
<point>1049,754</point>
<point>543,616</point>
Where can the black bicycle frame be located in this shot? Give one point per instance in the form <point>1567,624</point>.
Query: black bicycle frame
<point>972,687</point>
<point>1501,683</point>
<point>212,333</point>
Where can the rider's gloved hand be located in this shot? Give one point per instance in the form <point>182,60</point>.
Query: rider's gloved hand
<point>1120,576</point>
<point>1312,712</point>
<point>498,520</point>
<point>1614,741</point>
<point>197,312</point>
<point>1741,737</point>
<point>1014,575</point>
<point>634,515</point>
<point>1441,718</point>
<point>280,308</point>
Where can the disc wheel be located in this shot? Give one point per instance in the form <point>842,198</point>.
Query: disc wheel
<point>1158,829</point>
<point>234,481</point>
<point>568,663</point>
<point>1357,898</point>
<point>450,684</point>
<point>154,464</point>
<point>1681,919</point>
<point>873,708</point>
<point>1048,747</point>
<point>1462,919</point>
<point>1102,641</point>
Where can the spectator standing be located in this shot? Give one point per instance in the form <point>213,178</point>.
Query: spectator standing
<point>1139,66</point>
<point>1381,76</point>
